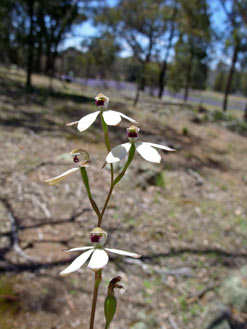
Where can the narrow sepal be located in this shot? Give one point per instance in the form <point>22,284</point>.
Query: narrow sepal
<point>58,179</point>
<point>123,253</point>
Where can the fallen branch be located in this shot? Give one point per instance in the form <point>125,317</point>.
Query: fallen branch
<point>201,293</point>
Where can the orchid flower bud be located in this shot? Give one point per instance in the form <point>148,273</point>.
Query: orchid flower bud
<point>110,305</point>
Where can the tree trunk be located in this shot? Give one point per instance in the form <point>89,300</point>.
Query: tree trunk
<point>138,90</point>
<point>39,53</point>
<point>186,91</point>
<point>162,76</point>
<point>48,59</point>
<point>140,85</point>
<point>187,83</point>
<point>230,77</point>
<point>245,113</point>
<point>30,45</point>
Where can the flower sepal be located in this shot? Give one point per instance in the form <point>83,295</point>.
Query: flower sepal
<point>80,157</point>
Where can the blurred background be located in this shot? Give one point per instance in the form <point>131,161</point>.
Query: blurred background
<point>180,69</point>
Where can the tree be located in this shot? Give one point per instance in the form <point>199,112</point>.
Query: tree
<point>101,55</point>
<point>189,65</point>
<point>236,41</point>
<point>141,25</point>
<point>242,8</point>
<point>30,10</point>
<point>32,29</point>
<point>7,31</point>
<point>171,27</point>
<point>55,20</point>
<point>220,78</point>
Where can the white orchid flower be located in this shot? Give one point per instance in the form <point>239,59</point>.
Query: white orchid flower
<point>146,150</point>
<point>77,155</point>
<point>111,118</point>
<point>97,253</point>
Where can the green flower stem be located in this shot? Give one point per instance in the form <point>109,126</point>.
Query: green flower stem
<point>107,141</point>
<point>130,158</point>
<point>106,136</point>
<point>116,180</point>
<point>86,183</point>
<point>97,281</point>
<point>105,205</point>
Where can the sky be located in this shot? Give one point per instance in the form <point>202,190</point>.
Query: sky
<point>88,30</point>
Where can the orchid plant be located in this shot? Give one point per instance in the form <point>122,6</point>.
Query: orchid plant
<point>97,253</point>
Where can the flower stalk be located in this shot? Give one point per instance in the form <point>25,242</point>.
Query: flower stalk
<point>97,254</point>
<point>85,180</point>
<point>97,281</point>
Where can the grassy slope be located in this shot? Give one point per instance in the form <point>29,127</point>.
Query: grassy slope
<point>190,223</point>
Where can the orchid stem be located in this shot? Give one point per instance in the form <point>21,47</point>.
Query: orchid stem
<point>105,205</point>
<point>116,180</point>
<point>108,147</point>
<point>97,281</point>
<point>86,183</point>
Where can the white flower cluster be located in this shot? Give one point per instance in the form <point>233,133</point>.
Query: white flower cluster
<point>96,253</point>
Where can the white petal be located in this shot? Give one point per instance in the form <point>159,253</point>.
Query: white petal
<point>148,152</point>
<point>124,253</point>
<point>127,118</point>
<point>58,179</point>
<point>87,121</point>
<point>77,263</point>
<point>118,153</point>
<point>112,118</point>
<point>80,248</point>
<point>98,260</point>
<point>163,147</point>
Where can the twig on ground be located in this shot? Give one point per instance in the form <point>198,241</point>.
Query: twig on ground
<point>201,293</point>
<point>173,323</point>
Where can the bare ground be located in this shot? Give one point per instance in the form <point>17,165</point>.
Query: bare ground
<point>188,219</point>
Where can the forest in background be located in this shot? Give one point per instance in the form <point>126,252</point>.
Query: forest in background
<point>172,44</point>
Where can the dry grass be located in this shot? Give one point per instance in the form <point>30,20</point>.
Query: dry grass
<point>189,222</point>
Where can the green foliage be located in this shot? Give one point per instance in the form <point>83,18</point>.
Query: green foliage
<point>185,131</point>
<point>160,180</point>
<point>9,303</point>
<point>110,309</point>
<point>244,83</point>
<point>100,56</point>
<point>189,66</point>
<point>220,81</point>
<point>151,73</point>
